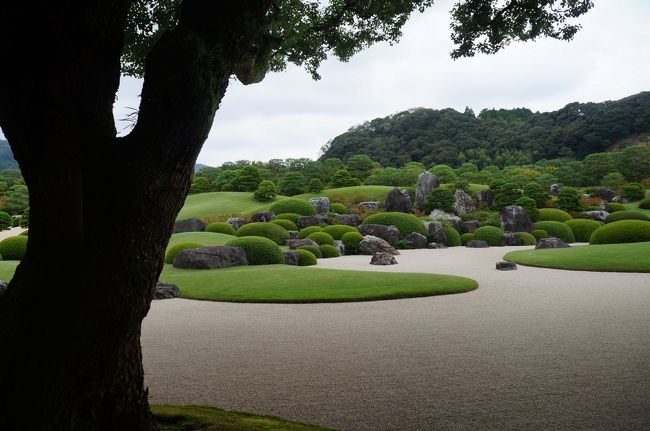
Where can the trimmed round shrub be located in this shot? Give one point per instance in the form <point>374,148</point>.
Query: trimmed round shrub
<point>645,204</point>
<point>13,248</point>
<point>556,229</point>
<point>453,237</point>
<point>466,237</point>
<point>328,251</point>
<point>293,205</point>
<point>553,214</point>
<point>287,224</point>
<point>312,249</point>
<point>338,208</point>
<point>539,234</point>
<point>405,223</point>
<point>338,230</point>
<point>175,250</point>
<point>582,228</point>
<point>633,192</point>
<point>623,231</point>
<point>6,221</point>
<point>490,234</point>
<point>305,232</point>
<point>613,207</point>
<point>321,238</point>
<point>259,250</point>
<point>351,241</point>
<point>306,258</point>
<point>220,227</point>
<point>287,216</point>
<point>272,231</point>
<point>625,215</point>
<point>524,238</point>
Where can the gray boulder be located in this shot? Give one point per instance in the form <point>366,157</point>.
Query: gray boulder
<point>383,258</point>
<point>372,244</point>
<point>605,194</point>
<point>218,256</point>
<point>189,225</point>
<point>340,246</point>
<point>485,198</point>
<point>515,219</point>
<point>317,220</point>
<point>597,215</point>
<point>509,238</point>
<point>435,231</point>
<point>3,287</point>
<point>470,226</point>
<point>321,204</point>
<point>295,243</point>
<point>370,204</point>
<point>554,190</point>
<point>506,266</point>
<point>551,242</point>
<point>263,216</point>
<point>390,234</point>
<point>425,185</point>
<point>291,257</point>
<point>416,240</point>
<point>347,219</point>
<point>236,222</point>
<point>293,234</point>
<point>463,203</point>
<point>452,219</point>
<point>398,201</point>
<point>165,290</point>
<point>477,243</point>
<point>436,246</point>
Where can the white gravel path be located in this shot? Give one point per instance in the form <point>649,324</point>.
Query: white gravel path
<point>532,349</point>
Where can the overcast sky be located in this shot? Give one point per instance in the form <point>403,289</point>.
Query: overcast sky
<point>290,115</point>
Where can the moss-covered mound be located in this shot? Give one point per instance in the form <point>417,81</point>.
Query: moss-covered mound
<point>220,227</point>
<point>625,215</point>
<point>556,229</point>
<point>306,258</point>
<point>466,237</point>
<point>272,231</point>
<point>259,250</point>
<point>524,238</point>
<point>328,251</point>
<point>405,223</point>
<point>13,248</point>
<point>453,237</point>
<point>321,238</point>
<point>539,234</point>
<point>338,230</point>
<point>293,205</point>
<point>490,234</point>
<point>171,252</point>
<point>305,232</point>
<point>613,207</point>
<point>553,214</point>
<point>623,231</point>
<point>286,224</point>
<point>351,241</point>
<point>287,216</point>
<point>582,228</point>
<point>315,250</point>
<point>338,208</point>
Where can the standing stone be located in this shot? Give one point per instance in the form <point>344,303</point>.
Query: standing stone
<point>509,238</point>
<point>236,222</point>
<point>515,219</point>
<point>383,258</point>
<point>347,219</point>
<point>338,244</point>
<point>554,190</point>
<point>426,183</point>
<point>165,290</point>
<point>321,204</point>
<point>463,203</point>
<point>485,198</point>
<point>219,256</point>
<point>371,245</point>
<point>416,240</point>
<point>452,219</point>
<point>291,257</point>
<point>390,234</point>
<point>263,216</point>
<point>398,201</point>
<point>470,226</point>
<point>436,231</point>
<point>551,242</point>
<point>189,225</point>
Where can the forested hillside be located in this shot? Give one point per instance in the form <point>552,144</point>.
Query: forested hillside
<point>500,137</point>
<point>7,160</point>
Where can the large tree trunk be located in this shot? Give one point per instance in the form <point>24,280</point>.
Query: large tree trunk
<point>101,207</point>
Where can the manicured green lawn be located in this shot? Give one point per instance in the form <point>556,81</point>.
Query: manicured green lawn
<point>373,193</point>
<point>216,204</point>
<point>7,269</point>
<point>205,238</point>
<point>292,284</point>
<point>634,206</point>
<point>196,418</point>
<point>634,257</point>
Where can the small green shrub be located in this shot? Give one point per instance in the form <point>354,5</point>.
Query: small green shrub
<point>287,216</point>
<point>568,199</point>
<point>259,250</point>
<point>556,229</point>
<point>490,234</point>
<point>494,219</point>
<point>173,251</point>
<point>478,215</point>
<point>13,248</point>
<point>645,204</point>
<point>305,232</point>
<point>524,238</point>
<point>265,192</point>
<point>613,207</point>
<point>625,215</point>
<point>633,192</point>
<point>272,231</point>
<point>440,198</point>
<point>306,258</point>
<point>466,237</point>
<point>582,228</point>
<point>328,251</point>
<point>321,238</point>
<point>220,227</point>
<point>24,219</point>
<point>293,205</point>
<point>313,249</point>
<point>286,224</point>
<point>351,241</point>
<point>338,230</point>
<point>623,231</point>
<point>338,208</point>
<point>529,205</point>
<point>539,234</point>
<point>6,221</point>
<point>405,223</point>
<point>553,214</point>
<point>453,237</point>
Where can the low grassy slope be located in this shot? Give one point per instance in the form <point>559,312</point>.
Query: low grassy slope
<point>373,193</point>
<point>205,238</point>
<point>634,257</point>
<point>285,283</point>
<point>204,205</point>
<point>7,269</point>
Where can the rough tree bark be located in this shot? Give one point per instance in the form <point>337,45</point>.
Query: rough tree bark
<point>101,207</point>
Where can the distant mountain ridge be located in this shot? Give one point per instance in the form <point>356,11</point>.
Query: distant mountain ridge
<point>496,136</point>
<point>7,160</point>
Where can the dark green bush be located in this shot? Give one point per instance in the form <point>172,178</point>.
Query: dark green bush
<point>220,227</point>
<point>478,215</point>
<point>524,238</point>
<point>305,232</point>
<point>466,237</point>
<point>351,241</point>
<point>313,249</point>
<point>405,223</point>
<point>306,258</point>
<point>529,205</point>
<point>266,191</point>
<point>568,199</point>
<point>287,216</point>
<point>556,229</point>
<point>338,208</point>
<point>259,250</point>
<point>175,250</point>
<point>24,219</point>
<point>329,251</point>
<point>506,194</point>
<point>613,207</point>
<point>539,234</point>
<point>490,234</point>
<point>582,228</point>
<point>440,198</point>
<point>13,248</point>
<point>493,220</point>
<point>6,221</point>
<point>272,231</point>
<point>293,205</point>
<point>287,224</point>
<point>553,214</point>
<point>338,230</point>
<point>623,231</point>
<point>645,204</point>
<point>321,238</point>
<point>633,192</point>
<point>453,237</point>
<point>625,215</point>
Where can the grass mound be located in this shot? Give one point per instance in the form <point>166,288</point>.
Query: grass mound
<point>553,214</point>
<point>272,231</point>
<point>556,229</point>
<point>259,250</point>
<point>490,234</point>
<point>624,231</point>
<point>405,223</point>
<point>293,205</point>
<point>204,238</point>
<point>215,204</point>
<point>582,228</point>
